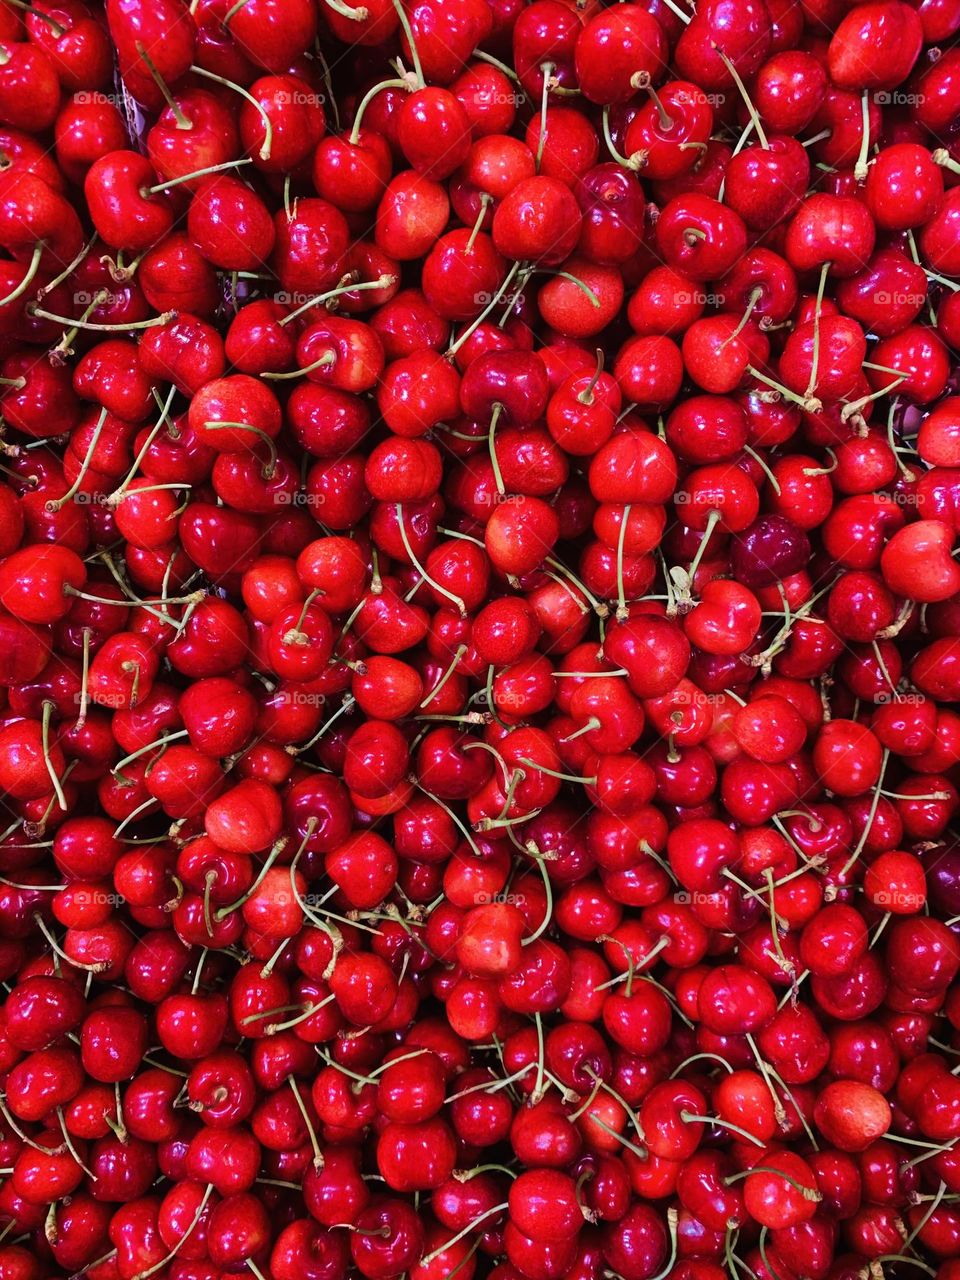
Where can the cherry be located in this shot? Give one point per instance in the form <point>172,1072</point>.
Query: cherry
<point>893,30</point>
<point>830,229</point>
<point>699,237</point>
<point>715,42</point>
<point>525,222</point>
<point>388,1239</point>
<point>788,90</point>
<point>923,551</point>
<point>637,45</point>
<point>780,1191</point>
<point>433,132</point>
<point>768,551</point>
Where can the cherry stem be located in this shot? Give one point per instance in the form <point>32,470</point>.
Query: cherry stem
<point>455,818</point>
<point>581,285</point>
<point>871,814</point>
<point>29,275</point>
<point>270,466</point>
<point>345,286</point>
<point>97,967</point>
<point>314,1144</point>
<point>779,1110</point>
<point>903,617</point>
<point>586,395</point>
<point>209,880</point>
<point>755,296</point>
<point>639,1152</point>
<point>860,169</point>
<point>275,851</point>
<point>689,1117</point>
<point>457,659</point>
<point>509,72</point>
<point>742,90</point>
<point>485,201</point>
<point>491,306</point>
<point>465,1231</point>
<point>360,14</point>
<point>547,69</point>
<point>553,773</point>
<point>295,635</point>
<point>232,13</point>
<point>367,98</point>
<point>852,408</point>
<point>405,23</point>
<point>823,471</point>
<point>762,1249</point>
<point>903,1257</point>
<point>306,1012</point>
<point>33,309</point>
<point>438,587</point>
<point>634,162</point>
<point>322,362</point>
<point>548,905</point>
<point>942,280</point>
<point>15,1128</point>
<point>815,363</point>
<point>33,12</point>
<point>48,709</point>
<point>491,1086</point>
<point>133,814</point>
<point>674,8</point>
<point>347,705</point>
<point>492,447</point>
<point>54,504</point>
<point>713,519</point>
<point>808,403</point>
<point>150,746</point>
<point>182,121</point>
<point>672,1218</point>
<point>158,1266</point>
<point>198,173</point>
<point>539,1088</point>
<point>641,80</point>
<point>696,1057</point>
<point>622,611</point>
<point>267,145</point>
<point>762,464</point>
<point>593,723</point>
<point>808,1193</point>
<point>817,137</point>
<point>68,1142</point>
<point>331,930</point>
<point>145,448</point>
<point>600,609</point>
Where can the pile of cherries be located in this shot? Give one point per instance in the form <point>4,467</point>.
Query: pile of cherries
<point>479,619</point>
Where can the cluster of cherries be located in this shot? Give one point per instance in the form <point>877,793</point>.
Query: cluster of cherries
<point>479,619</point>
